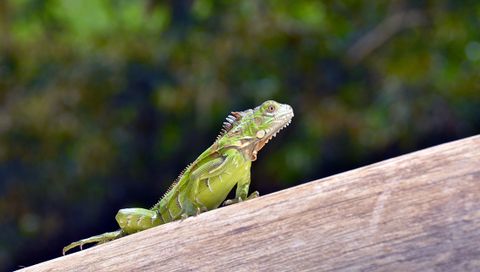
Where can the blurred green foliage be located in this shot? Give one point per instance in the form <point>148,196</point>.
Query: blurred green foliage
<point>103,102</point>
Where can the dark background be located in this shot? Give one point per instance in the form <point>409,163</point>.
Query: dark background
<point>104,102</point>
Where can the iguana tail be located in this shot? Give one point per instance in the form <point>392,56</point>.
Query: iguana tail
<point>99,239</point>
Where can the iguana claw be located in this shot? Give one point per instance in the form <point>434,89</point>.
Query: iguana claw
<point>239,199</point>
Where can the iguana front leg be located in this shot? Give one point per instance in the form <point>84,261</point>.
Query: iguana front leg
<point>242,191</point>
<point>211,167</point>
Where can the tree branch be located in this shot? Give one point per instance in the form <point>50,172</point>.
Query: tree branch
<point>416,212</point>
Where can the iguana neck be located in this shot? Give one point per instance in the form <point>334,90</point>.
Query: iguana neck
<point>247,148</point>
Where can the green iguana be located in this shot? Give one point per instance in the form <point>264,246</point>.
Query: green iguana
<point>205,183</point>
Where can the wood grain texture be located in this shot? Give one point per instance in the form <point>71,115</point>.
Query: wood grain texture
<point>417,212</point>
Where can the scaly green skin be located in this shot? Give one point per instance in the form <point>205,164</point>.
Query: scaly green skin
<point>205,183</point>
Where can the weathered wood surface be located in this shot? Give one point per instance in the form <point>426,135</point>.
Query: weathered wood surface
<point>417,212</point>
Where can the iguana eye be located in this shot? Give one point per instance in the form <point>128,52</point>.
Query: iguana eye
<point>271,108</point>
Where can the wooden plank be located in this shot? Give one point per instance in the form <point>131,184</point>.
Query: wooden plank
<point>417,212</point>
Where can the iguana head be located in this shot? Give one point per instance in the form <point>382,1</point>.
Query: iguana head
<point>251,129</point>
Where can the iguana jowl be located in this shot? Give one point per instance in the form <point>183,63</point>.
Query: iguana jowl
<point>206,182</point>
